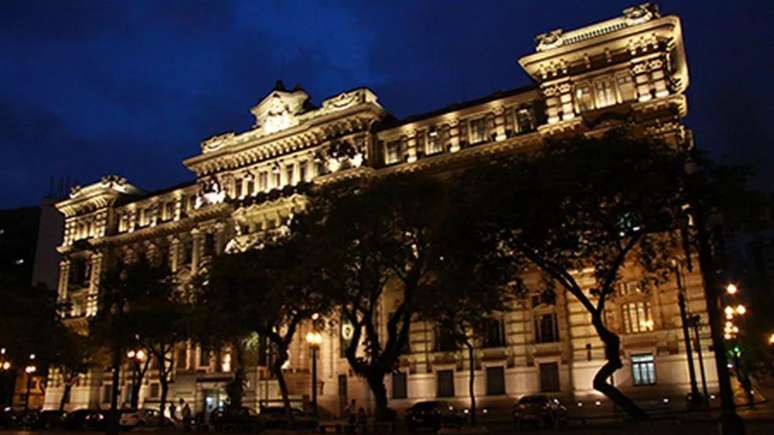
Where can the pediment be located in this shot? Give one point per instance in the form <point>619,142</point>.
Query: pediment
<point>279,110</point>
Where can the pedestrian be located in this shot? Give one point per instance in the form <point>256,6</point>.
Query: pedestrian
<point>186,415</point>
<point>349,413</point>
<point>172,411</point>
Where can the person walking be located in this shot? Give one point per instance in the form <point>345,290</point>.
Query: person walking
<point>185,415</point>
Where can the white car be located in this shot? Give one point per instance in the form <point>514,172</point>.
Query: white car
<point>143,417</point>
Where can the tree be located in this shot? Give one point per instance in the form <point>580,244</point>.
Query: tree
<point>603,202</point>
<point>74,355</point>
<point>369,238</point>
<point>117,325</point>
<point>269,292</point>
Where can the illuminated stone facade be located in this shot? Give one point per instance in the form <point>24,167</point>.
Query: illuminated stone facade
<point>630,69</point>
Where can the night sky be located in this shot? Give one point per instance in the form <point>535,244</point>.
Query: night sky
<point>89,88</point>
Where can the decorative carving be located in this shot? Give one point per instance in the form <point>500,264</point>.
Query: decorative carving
<point>549,40</point>
<point>217,142</point>
<point>279,110</point>
<point>641,13</point>
<point>340,155</point>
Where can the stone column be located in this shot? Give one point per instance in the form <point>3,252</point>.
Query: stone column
<point>454,135</point>
<point>565,98</point>
<point>642,81</point>
<point>220,237</point>
<point>174,253</point>
<point>551,94</point>
<point>94,281</point>
<point>658,77</point>
<point>64,274</point>
<point>499,122</point>
<point>179,207</point>
<point>411,146</point>
<point>196,246</point>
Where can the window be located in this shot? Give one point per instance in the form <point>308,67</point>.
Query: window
<point>289,172</point>
<point>636,317</point>
<point>478,131</point>
<point>204,357</point>
<point>643,369</point>
<point>549,377</point>
<point>626,88</point>
<point>445,380</point>
<point>277,180</point>
<point>263,181</point>
<point>524,121</point>
<point>629,288</point>
<point>444,340</point>
<point>170,210</point>
<point>154,390</point>
<point>399,385</point>
<point>392,152</point>
<point>546,328</point>
<point>249,186</point>
<point>80,273</point>
<point>434,144</point>
<point>182,358</point>
<point>209,244</point>
<point>302,172</point>
<point>495,381</point>
<point>605,92</point>
<point>237,188</point>
<point>494,333</point>
<point>107,393</point>
<point>583,98</point>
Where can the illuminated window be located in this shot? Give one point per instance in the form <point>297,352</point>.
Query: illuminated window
<point>204,357</point>
<point>225,364</point>
<point>605,92</point>
<point>302,172</point>
<point>434,144</point>
<point>392,152</point>
<point>524,121</point>
<point>478,131</point>
<point>629,288</point>
<point>584,101</point>
<point>643,369</point>
<point>636,317</point>
<point>170,210</point>
<point>154,390</point>
<point>289,173</point>
<point>263,181</point>
<point>626,88</point>
<point>182,358</point>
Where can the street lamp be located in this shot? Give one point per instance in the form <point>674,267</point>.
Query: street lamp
<point>314,339</point>
<point>731,289</point>
<point>29,370</point>
<point>136,357</point>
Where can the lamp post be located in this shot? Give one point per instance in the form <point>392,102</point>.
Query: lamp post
<point>694,321</point>
<point>694,397</point>
<point>29,370</point>
<point>314,339</point>
<point>136,357</point>
<point>5,368</point>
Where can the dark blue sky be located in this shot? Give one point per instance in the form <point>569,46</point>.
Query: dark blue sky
<point>89,88</point>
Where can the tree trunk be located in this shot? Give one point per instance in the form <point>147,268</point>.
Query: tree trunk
<point>136,385</point>
<point>112,424</point>
<point>376,383</point>
<point>612,354</point>
<point>276,369</point>
<point>472,382</point>
<point>68,386</point>
<point>164,394</point>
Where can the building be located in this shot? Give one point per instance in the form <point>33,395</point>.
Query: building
<point>628,69</point>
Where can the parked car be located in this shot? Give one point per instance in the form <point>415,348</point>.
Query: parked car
<point>274,417</point>
<point>96,419</point>
<point>539,410</point>
<point>131,418</point>
<point>51,419</point>
<point>434,414</point>
<point>235,420</point>
<point>10,418</point>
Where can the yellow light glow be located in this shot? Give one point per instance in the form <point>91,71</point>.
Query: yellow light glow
<point>771,339</point>
<point>729,316</point>
<point>731,289</point>
<point>727,336</point>
<point>130,354</point>
<point>313,338</point>
<point>741,309</point>
<point>729,310</point>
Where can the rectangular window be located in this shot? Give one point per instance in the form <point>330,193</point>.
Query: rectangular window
<point>637,317</point>
<point>524,121</point>
<point>626,88</point>
<point>154,390</point>
<point>170,210</point>
<point>182,359</point>
<point>204,357</point>
<point>249,186</point>
<point>549,377</point>
<point>494,333</point>
<point>445,380</point>
<point>434,143</point>
<point>263,181</point>
<point>302,172</point>
<point>495,381</point>
<point>605,92</point>
<point>277,179</point>
<point>209,244</point>
<point>107,393</point>
<point>392,152</point>
<point>546,329</point>
<point>478,131</point>
<point>643,369</point>
<point>289,174</point>
<point>399,390</point>
<point>238,188</point>
<point>584,101</point>
<point>444,341</point>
